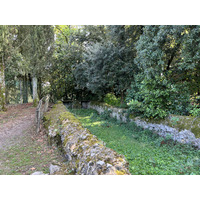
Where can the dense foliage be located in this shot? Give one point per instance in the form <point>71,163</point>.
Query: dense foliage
<point>26,53</point>
<point>154,69</point>
<point>156,98</point>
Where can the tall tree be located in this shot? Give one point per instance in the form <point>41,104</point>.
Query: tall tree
<point>108,59</point>
<point>8,54</point>
<point>37,51</point>
<point>162,88</point>
<point>189,65</point>
<point>3,41</point>
<point>158,49</point>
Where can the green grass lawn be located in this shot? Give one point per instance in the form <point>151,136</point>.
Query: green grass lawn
<point>146,152</point>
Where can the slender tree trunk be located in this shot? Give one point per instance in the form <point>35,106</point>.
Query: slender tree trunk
<point>2,89</point>
<point>39,87</point>
<point>25,89</point>
<point>7,96</point>
<point>21,91</point>
<point>35,94</point>
<point>30,85</point>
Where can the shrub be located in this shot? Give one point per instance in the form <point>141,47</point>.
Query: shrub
<point>136,107</point>
<point>106,114</point>
<point>112,100</point>
<point>156,98</point>
<point>174,120</point>
<point>195,111</point>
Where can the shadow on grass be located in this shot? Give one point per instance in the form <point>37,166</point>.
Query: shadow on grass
<point>146,152</point>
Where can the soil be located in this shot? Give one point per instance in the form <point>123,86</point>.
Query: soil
<point>14,123</point>
<point>22,151</point>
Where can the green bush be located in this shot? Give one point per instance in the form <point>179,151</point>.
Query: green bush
<point>106,114</point>
<point>156,98</point>
<point>112,100</point>
<point>136,107</point>
<point>195,111</point>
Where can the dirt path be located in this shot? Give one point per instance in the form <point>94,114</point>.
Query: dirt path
<point>14,123</point>
<point>22,151</point>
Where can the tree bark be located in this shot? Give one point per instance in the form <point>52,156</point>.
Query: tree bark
<point>39,87</point>
<point>7,97</point>
<point>25,89</point>
<point>172,56</point>
<point>30,85</point>
<point>35,94</point>
<point>21,91</point>
<point>2,89</point>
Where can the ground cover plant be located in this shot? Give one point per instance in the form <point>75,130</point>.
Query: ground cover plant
<point>146,152</point>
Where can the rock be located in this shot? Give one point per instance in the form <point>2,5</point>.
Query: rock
<point>108,165</point>
<point>184,136</point>
<point>39,173</point>
<point>55,162</point>
<point>53,169</point>
<point>100,162</point>
<point>52,132</point>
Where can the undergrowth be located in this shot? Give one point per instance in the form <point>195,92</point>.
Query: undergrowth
<point>146,152</point>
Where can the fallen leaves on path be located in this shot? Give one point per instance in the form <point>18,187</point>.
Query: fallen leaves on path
<point>22,151</point>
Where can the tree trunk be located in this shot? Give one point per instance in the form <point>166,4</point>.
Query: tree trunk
<point>35,94</point>
<point>7,96</point>
<point>21,91</point>
<point>2,89</point>
<point>25,89</point>
<point>39,87</point>
<point>30,85</point>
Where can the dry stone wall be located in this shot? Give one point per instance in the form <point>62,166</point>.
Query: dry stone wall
<point>185,130</point>
<point>118,113</point>
<point>86,155</point>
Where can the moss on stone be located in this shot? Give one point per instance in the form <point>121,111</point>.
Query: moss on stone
<point>78,141</point>
<point>184,122</point>
<point>65,141</point>
<point>102,104</point>
<point>69,116</point>
<point>120,159</point>
<point>59,102</point>
<point>35,103</point>
<point>120,172</point>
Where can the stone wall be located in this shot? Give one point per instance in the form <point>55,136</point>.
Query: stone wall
<point>118,113</point>
<point>84,152</point>
<point>184,129</point>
